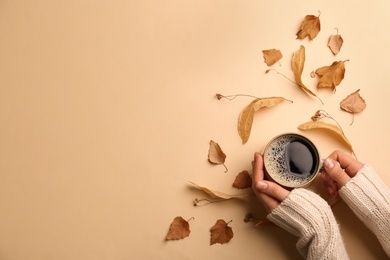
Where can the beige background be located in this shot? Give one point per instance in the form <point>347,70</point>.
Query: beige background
<point>107,109</point>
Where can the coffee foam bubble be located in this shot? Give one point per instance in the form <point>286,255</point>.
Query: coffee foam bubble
<point>276,164</point>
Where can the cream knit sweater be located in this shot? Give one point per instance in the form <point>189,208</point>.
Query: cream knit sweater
<point>306,215</point>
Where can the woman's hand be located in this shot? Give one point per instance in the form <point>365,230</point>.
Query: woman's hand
<point>269,193</point>
<point>339,168</point>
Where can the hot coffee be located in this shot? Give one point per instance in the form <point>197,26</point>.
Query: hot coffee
<point>291,160</point>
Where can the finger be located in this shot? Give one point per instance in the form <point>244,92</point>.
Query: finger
<point>336,172</point>
<point>272,189</point>
<point>347,162</point>
<point>268,202</point>
<point>332,187</point>
<point>258,171</point>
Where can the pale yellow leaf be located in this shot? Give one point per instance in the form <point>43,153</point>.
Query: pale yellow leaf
<point>329,127</point>
<point>297,65</point>
<point>218,194</point>
<point>245,119</point>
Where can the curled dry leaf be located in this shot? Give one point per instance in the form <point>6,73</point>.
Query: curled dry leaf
<point>354,103</point>
<point>217,194</point>
<point>329,127</point>
<point>272,56</point>
<point>245,119</point>
<point>179,229</point>
<point>331,76</point>
<point>310,26</point>
<point>216,155</point>
<point>335,42</point>
<point>220,232</point>
<point>243,180</point>
<point>297,65</point>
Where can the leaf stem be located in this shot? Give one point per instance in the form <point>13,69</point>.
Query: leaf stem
<point>281,74</point>
<point>231,97</point>
<point>204,201</point>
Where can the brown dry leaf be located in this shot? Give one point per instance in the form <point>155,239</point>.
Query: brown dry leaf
<point>264,223</point>
<point>331,76</point>
<point>220,232</point>
<point>326,126</point>
<point>335,42</point>
<point>243,180</point>
<point>354,103</point>
<point>297,65</point>
<point>179,229</point>
<point>217,194</point>
<point>310,26</point>
<point>272,56</point>
<point>216,155</point>
<point>245,120</point>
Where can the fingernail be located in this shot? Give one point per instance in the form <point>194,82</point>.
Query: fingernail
<point>328,163</point>
<point>261,185</point>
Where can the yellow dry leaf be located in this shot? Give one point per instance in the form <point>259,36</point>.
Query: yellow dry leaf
<point>272,56</point>
<point>335,42</point>
<point>310,26</point>
<point>331,76</point>
<point>216,155</point>
<point>326,126</point>
<point>245,119</point>
<point>218,194</point>
<point>297,65</point>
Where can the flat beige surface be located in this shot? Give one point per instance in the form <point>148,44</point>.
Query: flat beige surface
<point>107,109</point>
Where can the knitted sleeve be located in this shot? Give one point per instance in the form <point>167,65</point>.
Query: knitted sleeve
<point>306,215</point>
<point>369,198</point>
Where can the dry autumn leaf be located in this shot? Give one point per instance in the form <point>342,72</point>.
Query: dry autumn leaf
<point>297,65</point>
<point>243,180</point>
<point>216,155</point>
<point>179,229</point>
<point>310,26</point>
<point>272,56</point>
<point>331,76</point>
<point>354,103</point>
<point>326,126</point>
<point>217,194</point>
<point>335,42</point>
<point>245,120</point>
<point>264,223</point>
<point>220,232</point>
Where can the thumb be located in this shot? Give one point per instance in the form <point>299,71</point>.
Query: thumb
<point>336,172</point>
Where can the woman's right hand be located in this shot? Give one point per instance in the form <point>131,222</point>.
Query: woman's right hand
<point>339,168</point>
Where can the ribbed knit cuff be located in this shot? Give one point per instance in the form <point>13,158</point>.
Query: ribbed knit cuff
<point>369,198</point>
<point>306,215</point>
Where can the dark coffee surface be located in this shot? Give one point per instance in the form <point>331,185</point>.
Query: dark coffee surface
<point>291,160</point>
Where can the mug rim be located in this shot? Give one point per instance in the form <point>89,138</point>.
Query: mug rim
<point>271,176</point>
